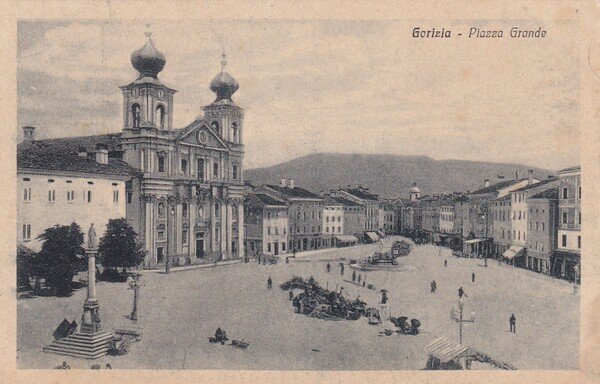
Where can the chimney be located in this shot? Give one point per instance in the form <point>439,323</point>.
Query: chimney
<point>486,183</point>
<point>82,152</point>
<point>28,133</point>
<point>282,183</point>
<point>101,154</point>
<point>530,177</point>
<point>291,183</point>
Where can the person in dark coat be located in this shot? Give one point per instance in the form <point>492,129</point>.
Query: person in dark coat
<point>342,268</point>
<point>445,263</point>
<point>461,293</point>
<point>353,276</point>
<point>432,289</point>
<point>513,323</point>
<point>472,277</point>
<point>434,286</point>
<point>328,267</point>
<point>269,283</point>
<point>359,277</point>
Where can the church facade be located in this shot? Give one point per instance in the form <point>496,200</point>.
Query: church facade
<point>189,202</point>
<point>183,187</point>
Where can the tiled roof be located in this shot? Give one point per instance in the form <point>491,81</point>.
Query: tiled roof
<point>268,200</point>
<point>295,192</point>
<point>340,201</point>
<point>534,185</point>
<point>61,155</point>
<point>361,194</point>
<point>551,193</point>
<point>496,187</point>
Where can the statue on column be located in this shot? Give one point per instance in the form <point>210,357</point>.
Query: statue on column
<point>92,237</point>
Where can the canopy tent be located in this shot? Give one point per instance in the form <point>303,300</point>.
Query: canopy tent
<point>373,236</point>
<point>445,350</point>
<point>514,251</point>
<point>346,239</point>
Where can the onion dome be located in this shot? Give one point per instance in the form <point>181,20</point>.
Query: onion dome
<point>224,85</point>
<point>148,60</point>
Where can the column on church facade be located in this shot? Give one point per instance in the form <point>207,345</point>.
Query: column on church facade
<point>178,229</point>
<point>213,226</point>
<point>149,231</point>
<point>223,211</point>
<point>192,210</point>
<point>229,228</point>
<point>241,232</point>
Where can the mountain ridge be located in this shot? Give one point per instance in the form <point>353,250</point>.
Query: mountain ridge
<point>389,176</point>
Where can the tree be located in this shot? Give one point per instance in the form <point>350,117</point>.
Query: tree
<point>119,246</point>
<point>62,256</point>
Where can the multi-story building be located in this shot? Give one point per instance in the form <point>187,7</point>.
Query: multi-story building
<point>368,200</point>
<point>266,222</point>
<point>188,202</point>
<point>542,221</point>
<point>447,216</point>
<point>333,221</point>
<point>519,207</point>
<point>387,217</point>
<point>59,183</point>
<point>354,219</point>
<point>430,208</point>
<point>477,223</point>
<point>305,214</point>
<point>567,257</point>
<point>501,225</point>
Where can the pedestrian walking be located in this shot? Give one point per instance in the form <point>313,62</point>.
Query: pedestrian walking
<point>359,277</point>
<point>431,284</point>
<point>513,323</point>
<point>269,283</point>
<point>461,293</point>
<point>434,286</point>
<point>384,297</point>
<point>445,263</point>
<point>353,276</point>
<point>472,277</point>
<point>341,268</point>
<point>328,267</point>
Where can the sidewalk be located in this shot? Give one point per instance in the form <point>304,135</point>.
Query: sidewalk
<point>192,266</point>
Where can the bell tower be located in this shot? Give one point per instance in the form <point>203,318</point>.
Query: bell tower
<point>147,103</point>
<point>224,116</point>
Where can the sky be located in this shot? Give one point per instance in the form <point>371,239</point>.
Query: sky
<point>322,86</point>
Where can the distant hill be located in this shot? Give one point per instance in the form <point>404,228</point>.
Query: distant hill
<point>389,176</point>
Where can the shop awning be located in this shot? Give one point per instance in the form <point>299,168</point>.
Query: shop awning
<point>347,238</point>
<point>514,251</point>
<point>473,241</point>
<point>373,236</point>
<point>445,350</point>
<point>380,233</point>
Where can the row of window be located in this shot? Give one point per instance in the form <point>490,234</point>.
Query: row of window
<point>332,218</point>
<point>199,168</point>
<point>564,241</point>
<point>70,196</point>
<point>270,246</point>
<point>275,230</point>
<point>304,215</point>
<point>304,229</point>
<point>339,229</point>
<point>565,217</point>
<point>565,193</point>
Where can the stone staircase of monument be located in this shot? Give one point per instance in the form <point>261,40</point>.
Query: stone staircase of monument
<point>84,345</point>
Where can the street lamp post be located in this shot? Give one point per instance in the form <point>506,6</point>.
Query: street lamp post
<point>460,320</point>
<point>134,284</point>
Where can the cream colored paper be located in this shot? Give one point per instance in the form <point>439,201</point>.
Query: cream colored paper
<point>572,31</point>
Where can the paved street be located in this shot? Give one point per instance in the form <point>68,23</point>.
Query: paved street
<point>179,311</point>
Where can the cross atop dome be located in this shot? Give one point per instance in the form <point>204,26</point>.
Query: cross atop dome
<point>224,85</point>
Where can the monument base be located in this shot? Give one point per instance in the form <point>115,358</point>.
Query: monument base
<point>82,345</point>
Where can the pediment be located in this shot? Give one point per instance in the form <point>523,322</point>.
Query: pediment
<point>202,134</point>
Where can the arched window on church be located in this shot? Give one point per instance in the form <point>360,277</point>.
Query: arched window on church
<point>215,126</point>
<point>161,210</point>
<point>234,128</point>
<point>135,115</point>
<point>159,116</point>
